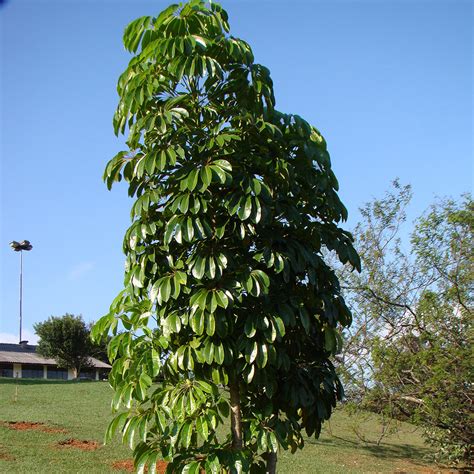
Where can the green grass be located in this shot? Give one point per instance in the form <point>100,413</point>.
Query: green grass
<point>83,410</point>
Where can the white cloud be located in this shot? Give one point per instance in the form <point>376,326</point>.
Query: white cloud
<point>29,336</point>
<point>81,269</point>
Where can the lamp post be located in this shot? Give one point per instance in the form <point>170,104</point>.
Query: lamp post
<point>19,247</point>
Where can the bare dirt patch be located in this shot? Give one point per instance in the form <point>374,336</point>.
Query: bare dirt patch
<point>6,457</point>
<point>410,468</point>
<point>127,465</point>
<point>28,425</point>
<point>83,444</point>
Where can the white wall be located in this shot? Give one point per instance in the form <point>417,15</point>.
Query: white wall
<point>17,371</point>
<point>70,374</point>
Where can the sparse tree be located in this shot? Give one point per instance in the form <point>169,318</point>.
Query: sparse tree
<point>409,350</point>
<point>234,203</point>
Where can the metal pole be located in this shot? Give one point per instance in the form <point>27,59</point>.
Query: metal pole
<point>21,290</point>
<point>19,247</point>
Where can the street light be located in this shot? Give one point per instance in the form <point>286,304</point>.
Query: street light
<point>19,247</point>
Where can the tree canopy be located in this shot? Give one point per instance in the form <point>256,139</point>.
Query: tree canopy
<point>225,283</point>
<point>67,340</point>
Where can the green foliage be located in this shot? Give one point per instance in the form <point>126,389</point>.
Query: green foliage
<point>410,353</point>
<point>65,339</point>
<point>429,367</point>
<point>428,373</point>
<point>225,283</point>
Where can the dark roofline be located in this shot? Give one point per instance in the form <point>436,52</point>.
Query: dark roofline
<point>11,347</point>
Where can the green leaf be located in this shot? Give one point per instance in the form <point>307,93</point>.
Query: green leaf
<point>115,425</point>
<point>173,322</point>
<point>262,277</point>
<point>150,163</point>
<point>172,156</point>
<point>185,434</point>
<point>206,176</point>
<point>178,235</point>
<point>206,387</point>
<point>170,228</point>
<point>155,362</point>
<point>211,266</point>
<point>209,351</point>
<point>221,299</point>
<point>197,322</point>
<point>252,351</point>
<point>250,374</point>
<point>210,324</point>
<point>184,204</point>
<point>189,230</point>
<point>272,441</point>
<point>262,357</point>
<point>330,343</point>
<point>192,468</point>
<point>213,303</point>
<point>175,287</point>
<point>190,182</point>
<point>219,354</point>
<point>245,211</point>
<point>195,297</point>
<point>256,186</point>
<point>250,328</point>
<point>257,211</point>
<point>202,428</point>
<point>304,317</point>
<point>220,231</point>
<point>280,325</point>
<point>199,268</point>
<point>201,300</point>
<point>219,173</point>
<point>162,160</point>
<point>165,289</point>
<point>224,164</point>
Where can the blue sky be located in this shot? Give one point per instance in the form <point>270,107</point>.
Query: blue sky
<point>388,83</point>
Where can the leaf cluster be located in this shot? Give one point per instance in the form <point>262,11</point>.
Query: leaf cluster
<point>225,280</point>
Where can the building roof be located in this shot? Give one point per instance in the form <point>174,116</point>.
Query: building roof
<point>26,354</point>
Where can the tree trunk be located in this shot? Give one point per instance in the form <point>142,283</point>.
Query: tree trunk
<point>235,416</point>
<point>271,463</point>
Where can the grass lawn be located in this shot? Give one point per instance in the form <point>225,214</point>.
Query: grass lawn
<point>81,411</point>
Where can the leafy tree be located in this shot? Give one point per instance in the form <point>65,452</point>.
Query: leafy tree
<point>409,350</point>
<point>226,294</point>
<point>67,340</point>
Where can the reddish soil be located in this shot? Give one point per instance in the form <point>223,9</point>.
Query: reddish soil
<point>28,425</point>
<point>84,445</point>
<point>6,457</point>
<point>127,465</point>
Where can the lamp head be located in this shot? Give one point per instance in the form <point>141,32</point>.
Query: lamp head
<point>19,246</point>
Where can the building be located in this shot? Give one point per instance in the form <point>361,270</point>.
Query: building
<point>22,361</point>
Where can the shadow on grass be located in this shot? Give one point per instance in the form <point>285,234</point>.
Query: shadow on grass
<point>417,455</point>
<point>10,381</point>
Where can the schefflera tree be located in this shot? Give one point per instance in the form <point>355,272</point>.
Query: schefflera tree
<point>228,308</point>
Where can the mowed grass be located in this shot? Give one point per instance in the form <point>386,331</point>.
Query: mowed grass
<point>82,410</point>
